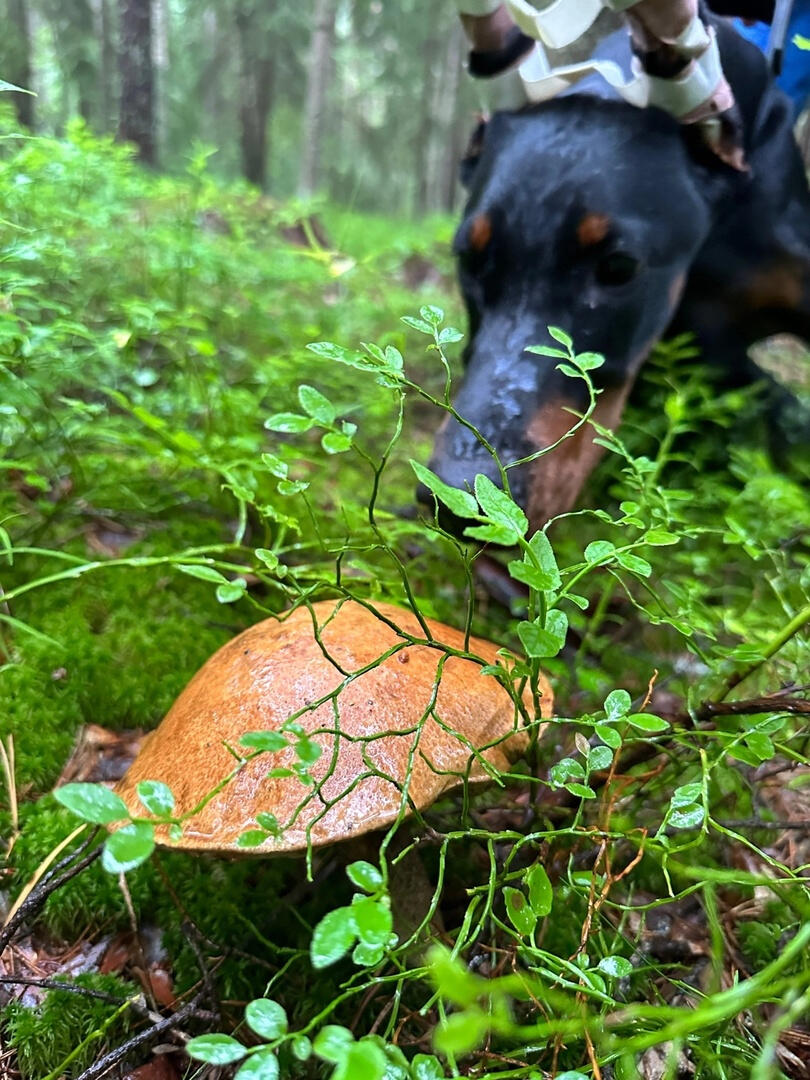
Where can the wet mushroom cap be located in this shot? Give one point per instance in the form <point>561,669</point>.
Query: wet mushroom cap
<point>387,729</point>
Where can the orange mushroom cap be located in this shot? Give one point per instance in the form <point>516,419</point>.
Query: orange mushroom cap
<point>385,734</point>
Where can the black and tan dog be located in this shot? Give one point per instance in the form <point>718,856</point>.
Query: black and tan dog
<point>603,219</point>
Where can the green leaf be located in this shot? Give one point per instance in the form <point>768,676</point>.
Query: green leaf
<point>761,745</point>
<point>332,938</point>
<point>301,1047</point>
<point>561,336</point>
<point>271,741</point>
<point>526,572</point>
<point>288,423</point>
<point>660,538</point>
<point>308,751</point>
<point>427,1067</point>
<point>460,503</point>
<point>365,876</point>
<point>432,315</point>
<point>231,591</point>
<point>204,573</point>
<point>499,507</point>
<point>461,1032</point>
<point>267,1018</point>
<point>689,818</point>
<point>92,802</point>
<point>260,1066</point>
<point>541,895</point>
<point>520,913</point>
<point>365,955</point>
<point>582,791</point>
<point>215,1049</point>
<point>269,822</point>
<point>363,1061</point>
<point>609,736</point>
<point>599,551</point>
<point>449,336</point>
<point>634,564</point>
<point>618,704</point>
<point>544,642</point>
<point>156,797</point>
<point>589,361</point>
<point>372,920</point>
<point>685,796</point>
<point>600,758</point>
<point>275,466</point>
<point>615,967</point>
<point>547,578</point>
<point>650,725</point>
<point>317,406</point>
<point>564,770</point>
<point>128,847</point>
<point>334,442</point>
<point>269,558</point>
<point>491,534</point>
<point>452,979</point>
<point>252,838</point>
<point>547,350</point>
<point>291,487</point>
<point>418,324</point>
<point>332,1042</point>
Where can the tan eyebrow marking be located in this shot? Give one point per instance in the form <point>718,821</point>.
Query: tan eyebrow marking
<point>480,232</point>
<point>593,229</point>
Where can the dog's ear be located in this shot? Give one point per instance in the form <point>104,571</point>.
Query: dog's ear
<point>472,154</point>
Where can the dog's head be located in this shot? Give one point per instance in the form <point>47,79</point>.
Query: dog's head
<point>583,214</point>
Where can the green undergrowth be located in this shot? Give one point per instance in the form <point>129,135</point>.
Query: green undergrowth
<point>68,1025</point>
<point>177,465</point>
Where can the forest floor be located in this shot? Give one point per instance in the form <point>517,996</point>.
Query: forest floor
<point>149,326</point>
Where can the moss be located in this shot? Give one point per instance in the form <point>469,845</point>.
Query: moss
<point>128,642</point>
<point>92,897</point>
<point>45,1035</point>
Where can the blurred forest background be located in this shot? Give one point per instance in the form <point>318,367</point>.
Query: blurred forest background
<point>361,100</point>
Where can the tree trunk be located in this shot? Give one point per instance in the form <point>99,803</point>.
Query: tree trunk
<point>255,94</point>
<point>137,113</point>
<point>107,66</point>
<point>318,69</point>
<point>18,59</point>
<point>451,142</point>
<point>161,57</point>
<point>423,138</point>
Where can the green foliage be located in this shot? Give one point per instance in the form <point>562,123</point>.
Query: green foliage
<point>46,1035</point>
<point>180,465</point>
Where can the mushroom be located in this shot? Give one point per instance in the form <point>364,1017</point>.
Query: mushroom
<point>383,726</point>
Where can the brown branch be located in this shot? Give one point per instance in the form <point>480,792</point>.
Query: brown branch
<point>57,984</point>
<point>752,706</point>
<point>49,885</point>
<point>170,1023</point>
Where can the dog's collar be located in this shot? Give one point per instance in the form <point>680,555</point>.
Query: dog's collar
<point>565,20</point>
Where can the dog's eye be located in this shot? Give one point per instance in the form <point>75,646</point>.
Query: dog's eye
<point>617,268</point>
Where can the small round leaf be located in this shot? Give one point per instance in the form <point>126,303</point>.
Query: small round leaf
<point>156,797</point>
<point>215,1049</point>
<point>260,1066</point>
<point>128,847</point>
<point>267,1018</point>
<point>92,802</point>
<point>332,938</point>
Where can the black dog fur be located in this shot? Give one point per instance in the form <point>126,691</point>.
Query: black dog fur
<point>614,224</point>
